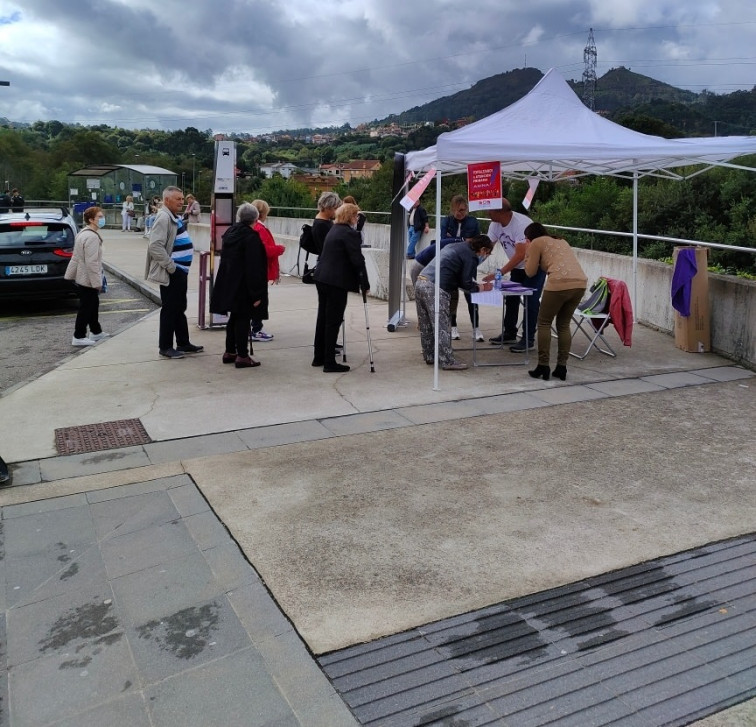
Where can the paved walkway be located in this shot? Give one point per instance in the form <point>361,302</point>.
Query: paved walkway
<point>366,504</point>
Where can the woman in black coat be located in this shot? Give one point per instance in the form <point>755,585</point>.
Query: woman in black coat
<point>241,285</point>
<point>340,270</point>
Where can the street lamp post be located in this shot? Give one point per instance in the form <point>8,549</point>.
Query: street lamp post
<point>194,157</point>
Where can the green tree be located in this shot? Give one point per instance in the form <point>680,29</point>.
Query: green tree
<point>284,194</point>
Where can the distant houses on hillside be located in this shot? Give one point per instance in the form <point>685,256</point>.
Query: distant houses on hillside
<point>341,171</point>
<point>285,169</point>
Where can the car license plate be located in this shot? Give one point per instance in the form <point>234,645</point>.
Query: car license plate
<point>25,269</point>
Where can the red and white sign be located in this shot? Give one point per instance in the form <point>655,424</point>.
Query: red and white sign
<point>484,186</point>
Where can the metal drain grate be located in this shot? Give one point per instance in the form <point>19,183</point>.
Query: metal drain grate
<point>96,437</point>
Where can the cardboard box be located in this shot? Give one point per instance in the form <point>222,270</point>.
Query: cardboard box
<point>693,333</point>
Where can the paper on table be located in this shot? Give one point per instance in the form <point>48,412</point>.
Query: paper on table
<point>494,297</point>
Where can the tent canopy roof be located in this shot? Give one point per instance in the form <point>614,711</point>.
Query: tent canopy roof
<point>550,133</point>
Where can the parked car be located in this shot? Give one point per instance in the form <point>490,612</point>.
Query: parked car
<point>35,247</point>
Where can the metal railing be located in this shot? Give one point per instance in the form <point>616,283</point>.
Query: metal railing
<point>656,238</point>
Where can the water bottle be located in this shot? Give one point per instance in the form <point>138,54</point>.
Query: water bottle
<point>497,280</point>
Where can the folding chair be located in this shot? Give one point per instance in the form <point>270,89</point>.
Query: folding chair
<point>592,323</point>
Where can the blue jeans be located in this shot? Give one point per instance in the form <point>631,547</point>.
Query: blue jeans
<point>414,237</point>
<point>533,302</point>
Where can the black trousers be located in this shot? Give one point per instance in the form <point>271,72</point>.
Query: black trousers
<point>331,306</point>
<point>173,312</point>
<point>237,334</point>
<point>472,308</point>
<point>88,314</point>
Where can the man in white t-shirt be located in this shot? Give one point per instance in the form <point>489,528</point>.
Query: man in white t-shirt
<point>508,228</point>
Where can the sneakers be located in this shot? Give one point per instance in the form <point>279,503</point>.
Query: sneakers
<point>171,353</point>
<point>99,336</point>
<point>190,348</point>
<point>456,366</point>
<point>455,333</point>
<point>503,338</point>
<point>261,336</point>
<point>82,341</point>
<point>520,347</point>
<point>478,335</point>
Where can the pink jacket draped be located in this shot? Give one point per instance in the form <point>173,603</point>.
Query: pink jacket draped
<point>621,310</point>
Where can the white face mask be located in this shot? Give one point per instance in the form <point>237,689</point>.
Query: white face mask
<point>101,222</point>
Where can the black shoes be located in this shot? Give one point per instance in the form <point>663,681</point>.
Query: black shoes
<point>5,476</point>
<point>190,348</point>
<point>540,372</point>
<point>180,351</point>
<point>501,339</point>
<point>520,346</point>
<point>170,353</point>
<point>335,368</point>
<point>560,372</point>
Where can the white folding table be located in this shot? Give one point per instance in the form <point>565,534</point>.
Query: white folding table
<point>496,297</point>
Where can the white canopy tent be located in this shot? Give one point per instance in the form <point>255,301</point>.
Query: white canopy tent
<point>549,134</point>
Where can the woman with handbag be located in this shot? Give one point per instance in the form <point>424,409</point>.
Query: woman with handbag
<point>193,211</point>
<point>340,270</point>
<point>241,286</point>
<point>127,212</point>
<point>85,269</point>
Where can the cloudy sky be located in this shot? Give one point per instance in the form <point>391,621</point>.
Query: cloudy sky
<point>258,66</point>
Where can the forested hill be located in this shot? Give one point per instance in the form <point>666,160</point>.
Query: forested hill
<point>630,98</point>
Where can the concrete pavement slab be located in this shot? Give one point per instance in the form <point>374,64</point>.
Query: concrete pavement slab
<point>278,434</point>
<point>103,483</point>
<point>60,468</point>
<point>61,685</point>
<point>129,709</point>
<point>37,577</point>
<point>624,387</point>
<point>219,694</point>
<point>141,551</point>
<point>123,515</point>
<point>195,635</point>
<point>177,449</point>
<point>672,381</point>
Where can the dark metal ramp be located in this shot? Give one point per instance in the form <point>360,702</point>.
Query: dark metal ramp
<point>665,642</point>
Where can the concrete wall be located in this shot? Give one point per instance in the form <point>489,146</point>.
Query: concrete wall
<point>732,300</point>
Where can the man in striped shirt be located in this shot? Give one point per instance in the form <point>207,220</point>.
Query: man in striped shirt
<point>168,260</point>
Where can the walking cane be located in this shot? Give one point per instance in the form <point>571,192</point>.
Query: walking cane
<point>367,328</point>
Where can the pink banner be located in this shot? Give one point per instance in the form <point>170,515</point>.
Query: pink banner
<point>413,195</point>
<point>532,186</point>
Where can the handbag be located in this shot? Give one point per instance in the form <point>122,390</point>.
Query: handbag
<point>308,276</point>
<point>130,213</point>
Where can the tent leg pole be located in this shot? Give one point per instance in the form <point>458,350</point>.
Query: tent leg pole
<point>437,294</point>
<point>635,246</point>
